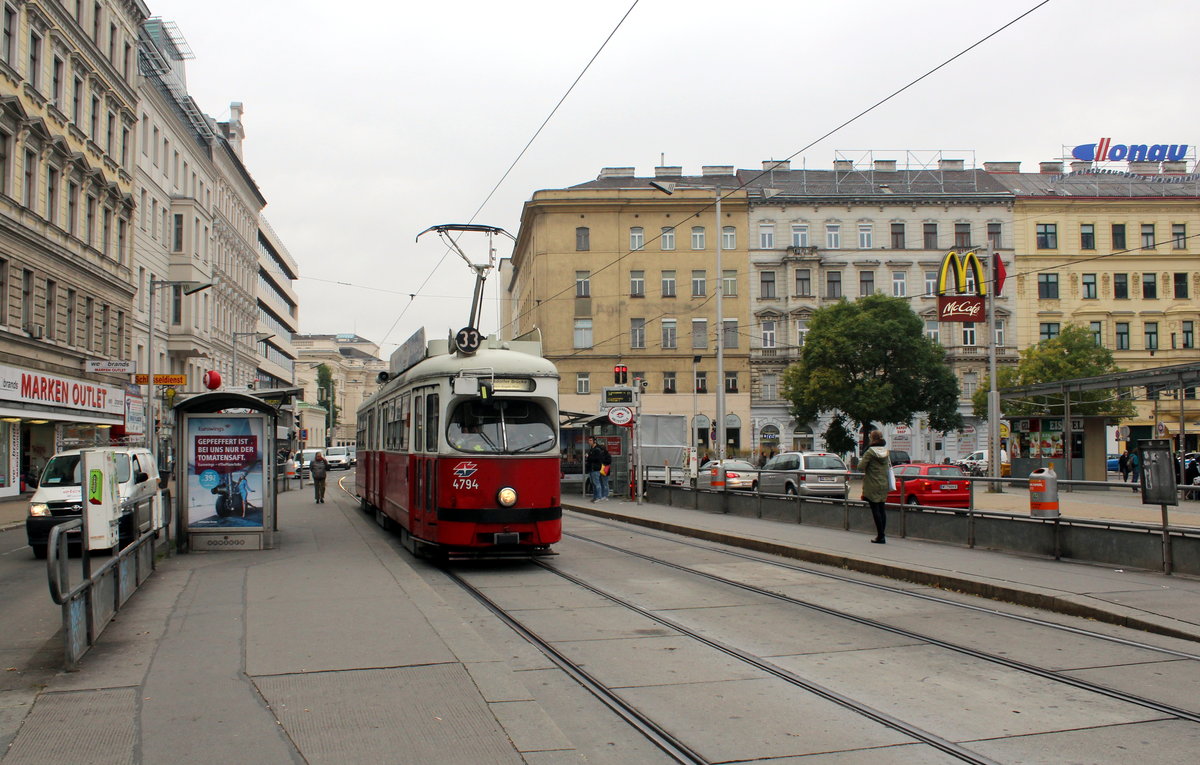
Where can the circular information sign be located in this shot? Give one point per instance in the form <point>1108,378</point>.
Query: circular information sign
<point>620,415</point>
<point>467,340</point>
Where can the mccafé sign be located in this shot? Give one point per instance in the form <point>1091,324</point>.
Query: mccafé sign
<point>961,305</point>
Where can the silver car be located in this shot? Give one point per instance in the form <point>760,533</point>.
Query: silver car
<point>739,474</point>
<point>813,474</point>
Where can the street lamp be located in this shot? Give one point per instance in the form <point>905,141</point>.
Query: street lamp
<point>189,288</point>
<point>259,337</point>
<point>668,187</point>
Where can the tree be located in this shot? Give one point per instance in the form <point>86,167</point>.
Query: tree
<point>325,394</point>
<point>1074,353</point>
<point>871,361</point>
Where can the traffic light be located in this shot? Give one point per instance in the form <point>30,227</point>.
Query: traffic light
<point>620,374</point>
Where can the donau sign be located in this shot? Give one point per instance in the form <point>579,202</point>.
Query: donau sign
<point>966,303</point>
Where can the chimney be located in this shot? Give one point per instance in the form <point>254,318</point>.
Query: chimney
<point>776,164</point>
<point>844,165</point>
<point>1002,167</point>
<point>1174,166</point>
<point>1144,168</point>
<point>616,172</point>
<point>233,131</point>
<point>716,169</point>
<point>885,164</point>
<point>668,171</point>
<point>950,164</point>
<point>1079,167</point>
<point>1050,168</point>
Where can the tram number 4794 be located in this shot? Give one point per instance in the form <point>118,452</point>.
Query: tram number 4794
<point>465,483</point>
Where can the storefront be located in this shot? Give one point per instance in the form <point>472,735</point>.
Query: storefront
<point>42,413</point>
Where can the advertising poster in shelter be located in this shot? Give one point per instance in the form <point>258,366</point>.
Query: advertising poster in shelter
<point>225,472</point>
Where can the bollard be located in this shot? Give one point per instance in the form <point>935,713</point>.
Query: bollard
<point>1043,493</point>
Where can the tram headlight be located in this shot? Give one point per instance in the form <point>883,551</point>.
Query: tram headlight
<point>507,496</point>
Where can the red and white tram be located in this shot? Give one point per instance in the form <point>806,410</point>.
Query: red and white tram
<point>459,451</point>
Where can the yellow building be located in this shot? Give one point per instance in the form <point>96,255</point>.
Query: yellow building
<point>614,271</point>
<point>1113,249</point>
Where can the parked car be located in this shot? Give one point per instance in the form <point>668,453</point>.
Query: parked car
<point>819,474</point>
<point>338,457</point>
<point>739,474</point>
<point>306,457</point>
<point>899,457</point>
<point>929,484</point>
<point>976,463</point>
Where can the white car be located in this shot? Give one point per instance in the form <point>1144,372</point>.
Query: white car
<point>338,457</point>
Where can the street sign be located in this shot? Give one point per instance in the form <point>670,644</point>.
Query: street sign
<point>112,367</point>
<point>620,415</point>
<point>468,340</point>
<point>163,379</point>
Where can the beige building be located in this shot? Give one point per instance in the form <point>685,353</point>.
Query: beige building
<point>615,272</point>
<point>354,366</point>
<point>1113,249</point>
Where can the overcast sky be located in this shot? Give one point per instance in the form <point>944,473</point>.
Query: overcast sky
<point>366,123</point>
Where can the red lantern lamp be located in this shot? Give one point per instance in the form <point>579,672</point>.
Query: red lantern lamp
<point>212,379</point>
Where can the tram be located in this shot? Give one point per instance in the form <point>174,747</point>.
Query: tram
<point>458,449</point>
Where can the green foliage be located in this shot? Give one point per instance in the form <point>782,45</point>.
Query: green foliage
<point>1074,353</point>
<point>326,393</point>
<point>870,360</point>
<point>838,438</point>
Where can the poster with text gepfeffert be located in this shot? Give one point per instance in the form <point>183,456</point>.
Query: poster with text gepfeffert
<point>225,472</point>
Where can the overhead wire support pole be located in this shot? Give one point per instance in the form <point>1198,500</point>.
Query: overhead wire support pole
<point>481,269</point>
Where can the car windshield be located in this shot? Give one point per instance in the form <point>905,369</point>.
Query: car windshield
<point>336,450</point>
<point>63,470</point>
<point>823,462</point>
<point>946,470</point>
<point>498,426</point>
<point>307,455</point>
<point>738,465</point>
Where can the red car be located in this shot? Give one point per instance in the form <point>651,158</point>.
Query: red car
<point>932,485</point>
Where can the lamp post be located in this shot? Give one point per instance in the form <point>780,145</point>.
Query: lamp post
<point>668,187</point>
<point>189,288</point>
<point>258,338</point>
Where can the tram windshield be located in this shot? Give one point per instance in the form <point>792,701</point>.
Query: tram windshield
<point>498,426</point>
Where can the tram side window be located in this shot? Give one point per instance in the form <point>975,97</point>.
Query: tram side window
<point>402,423</point>
<point>418,421</point>
<point>432,416</point>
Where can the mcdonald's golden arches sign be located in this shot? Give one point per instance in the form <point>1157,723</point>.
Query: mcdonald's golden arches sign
<point>964,304</point>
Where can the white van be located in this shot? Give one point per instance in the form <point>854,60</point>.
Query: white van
<point>59,496</point>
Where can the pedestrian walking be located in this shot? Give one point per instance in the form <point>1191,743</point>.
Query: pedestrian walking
<point>599,462</point>
<point>1135,467</point>
<point>1123,465</point>
<point>318,469</point>
<point>875,464</point>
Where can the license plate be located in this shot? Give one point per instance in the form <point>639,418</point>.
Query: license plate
<point>949,487</point>
<point>826,478</point>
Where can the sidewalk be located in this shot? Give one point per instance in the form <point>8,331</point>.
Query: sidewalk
<point>330,648</point>
<point>1144,600</point>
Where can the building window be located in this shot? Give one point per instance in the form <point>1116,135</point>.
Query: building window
<point>669,334</point>
<point>899,284</point>
<point>1121,286</point>
<point>730,339</point>
<point>637,283</point>
<point>9,43</point>
<point>897,236</point>
<point>803,282</point>
<point>970,381</point>
<point>864,236</point>
<point>1047,330</point>
<point>768,333</point>
<point>1048,286</point>
<point>731,379</point>
<point>583,236</point>
<point>766,285</point>
<point>666,240</point>
<point>702,382</point>
<point>1087,236</point>
<point>999,332</point>
<point>933,330</point>
<point>583,284</point>
<point>1118,236</point>
<point>637,333</point>
<point>766,236</point>
<point>833,284</point>
<point>930,236</point>
<point>1047,236</point>
<point>668,284</point>
<point>71,300</point>
<point>669,382</point>
<point>52,176</point>
<point>833,236</point>
<point>637,238</point>
<point>1147,236</point>
<point>968,333</point>
<point>729,238</point>
<point>35,60</point>
<point>1122,336</point>
<point>799,235</point>
<point>1097,330</point>
<point>931,279</point>
<point>699,284</point>
<point>31,174</point>
<point>962,236</point>
<point>1181,286</point>
<point>177,234</point>
<point>993,234</point>
<point>770,387</point>
<point>729,282</point>
<point>697,237</point>
<point>866,283</point>
<point>1152,335</point>
<point>583,333</point>
<point>699,333</point>
<point>583,383</point>
<point>1179,236</point>
<point>1189,334</point>
<point>1089,287</point>
<point>801,332</point>
<point>1149,286</point>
